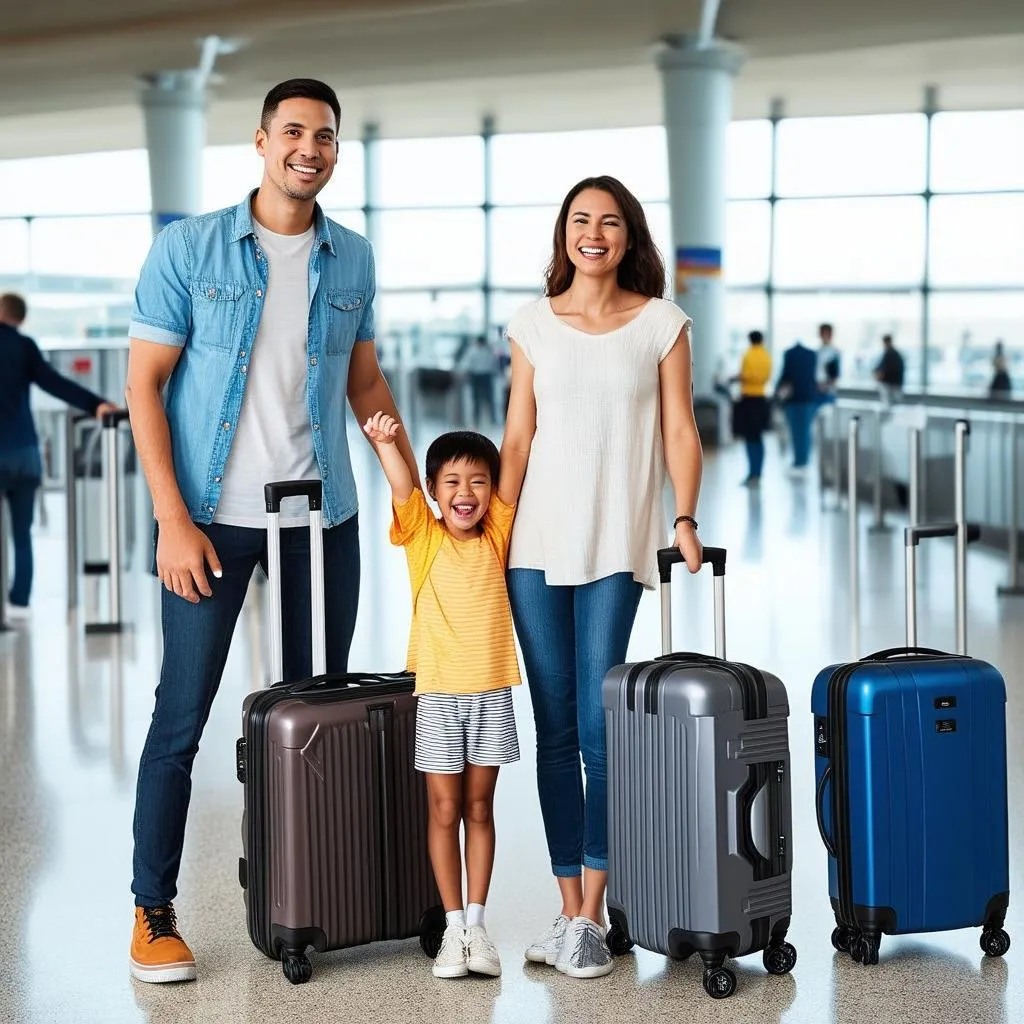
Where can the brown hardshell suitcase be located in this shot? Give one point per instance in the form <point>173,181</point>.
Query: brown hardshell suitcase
<point>335,823</point>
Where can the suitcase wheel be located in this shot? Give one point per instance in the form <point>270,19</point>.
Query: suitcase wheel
<point>719,983</point>
<point>780,959</point>
<point>619,943</point>
<point>995,942</point>
<point>864,949</point>
<point>842,938</point>
<point>297,968</point>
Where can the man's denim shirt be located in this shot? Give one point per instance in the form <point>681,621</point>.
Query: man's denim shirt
<point>202,289</point>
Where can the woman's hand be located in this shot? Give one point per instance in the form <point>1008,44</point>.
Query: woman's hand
<point>689,546</point>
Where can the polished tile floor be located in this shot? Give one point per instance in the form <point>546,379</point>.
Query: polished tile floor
<point>73,716</point>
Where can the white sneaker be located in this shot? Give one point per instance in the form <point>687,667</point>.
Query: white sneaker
<point>585,953</point>
<point>450,961</point>
<point>481,954</point>
<point>18,612</point>
<point>545,950</point>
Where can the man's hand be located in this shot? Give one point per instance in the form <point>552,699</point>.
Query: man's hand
<point>103,408</point>
<point>381,428</point>
<point>182,552</point>
<point>689,546</point>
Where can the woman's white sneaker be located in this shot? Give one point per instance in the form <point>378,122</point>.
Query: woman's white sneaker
<point>546,949</point>
<point>585,953</point>
<point>450,961</point>
<point>481,954</point>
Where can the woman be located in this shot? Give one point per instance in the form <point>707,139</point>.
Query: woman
<point>751,415</point>
<point>601,402</point>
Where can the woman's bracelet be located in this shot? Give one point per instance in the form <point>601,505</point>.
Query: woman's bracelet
<point>685,519</point>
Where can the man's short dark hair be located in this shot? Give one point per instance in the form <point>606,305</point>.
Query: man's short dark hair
<point>460,446</point>
<point>299,89</point>
<point>756,337</point>
<point>886,339</point>
<point>824,327</point>
<point>13,306</point>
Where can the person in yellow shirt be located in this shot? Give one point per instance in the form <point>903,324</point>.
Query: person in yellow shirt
<point>751,414</point>
<point>462,649</point>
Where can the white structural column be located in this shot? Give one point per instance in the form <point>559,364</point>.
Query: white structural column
<point>697,81</point>
<point>174,104</point>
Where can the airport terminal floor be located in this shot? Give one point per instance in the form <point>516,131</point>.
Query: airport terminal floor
<point>74,712</point>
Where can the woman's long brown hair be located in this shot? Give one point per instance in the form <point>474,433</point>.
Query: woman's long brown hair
<point>642,269</point>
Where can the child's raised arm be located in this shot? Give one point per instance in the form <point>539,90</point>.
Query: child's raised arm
<point>382,431</point>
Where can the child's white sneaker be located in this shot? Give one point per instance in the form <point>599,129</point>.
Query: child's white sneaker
<point>481,954</point>
<point>546,949</point>
<point>450,961</point>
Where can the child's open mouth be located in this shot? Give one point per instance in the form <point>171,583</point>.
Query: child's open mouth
<point>463,511</point>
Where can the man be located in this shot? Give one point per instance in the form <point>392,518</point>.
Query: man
<point>21,468</point>
<point>257,319</point>
<point>890,369</point>
<point>828,365</point>
<point>797,389</point>
<point>480,365</point>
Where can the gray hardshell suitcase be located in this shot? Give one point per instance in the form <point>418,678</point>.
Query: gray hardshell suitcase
<point>699,811</point>
<point>335,826</point>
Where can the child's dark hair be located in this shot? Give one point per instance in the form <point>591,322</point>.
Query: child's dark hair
<point>460,445</point>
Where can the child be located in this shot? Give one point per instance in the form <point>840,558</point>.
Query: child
<point>462,650</point>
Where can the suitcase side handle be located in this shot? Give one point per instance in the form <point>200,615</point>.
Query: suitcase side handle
<point>273,493</point>
<point>667,557</point>
<point>819,807</point>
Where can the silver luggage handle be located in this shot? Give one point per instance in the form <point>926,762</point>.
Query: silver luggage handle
<point>273,494</point>
<point>960,529</point>
<point>667,557</point>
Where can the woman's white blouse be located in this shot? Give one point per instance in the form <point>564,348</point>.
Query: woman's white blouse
<point>592,500</point>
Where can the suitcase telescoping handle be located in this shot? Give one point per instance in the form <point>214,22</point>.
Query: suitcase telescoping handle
<point>274,493</point>
<point>913,535</point>
<point>667,557</point>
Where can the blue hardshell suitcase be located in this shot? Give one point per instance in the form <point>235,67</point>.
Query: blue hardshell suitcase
<point>910,761</point>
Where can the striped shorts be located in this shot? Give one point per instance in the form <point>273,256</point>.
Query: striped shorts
<point>453,729</point>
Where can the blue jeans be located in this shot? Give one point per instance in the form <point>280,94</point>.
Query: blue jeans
<point>800,416</point>
<point>571,637</point>
<point>20,474</point>
<point>196,641</point>
<point>755,456</point>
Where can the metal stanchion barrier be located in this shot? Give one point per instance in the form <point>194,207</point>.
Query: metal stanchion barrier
<point>879,525</point>
<point>72,421</point>
<point>852,453</point>
<point>837,451</point>
<point>1013,587</point>
<point>914,478</point>
<point>961,430</point>
<point>111,471</point>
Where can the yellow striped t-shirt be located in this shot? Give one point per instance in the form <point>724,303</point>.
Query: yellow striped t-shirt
<point>461,639</point>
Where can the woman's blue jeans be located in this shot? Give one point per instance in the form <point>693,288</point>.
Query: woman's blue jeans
<point>571,637</point>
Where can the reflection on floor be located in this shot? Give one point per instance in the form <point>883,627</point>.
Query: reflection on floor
<point>73,715</point>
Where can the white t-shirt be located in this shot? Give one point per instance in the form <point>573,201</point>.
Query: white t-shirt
<point>592,500</point>
<point>274,439</point>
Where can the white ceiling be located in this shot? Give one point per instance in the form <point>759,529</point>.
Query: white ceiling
<point>70,70</point>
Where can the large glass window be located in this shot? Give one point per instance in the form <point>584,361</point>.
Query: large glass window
<point>977,240</point>
<point>744,312</point>
<point>849,242</point>
<point>421,248</point>
<point>978,151</point>
<point>14,247</point>
<point>963,331</point>
<point>521,245</point>
<point>748,229</point>
<point>85,247</point>
<point>833,156</point>
<point>541,168</point>
<point>430,172</point>
<point>115,182</point>
<point>859,321</point>
<point>748,156</point>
